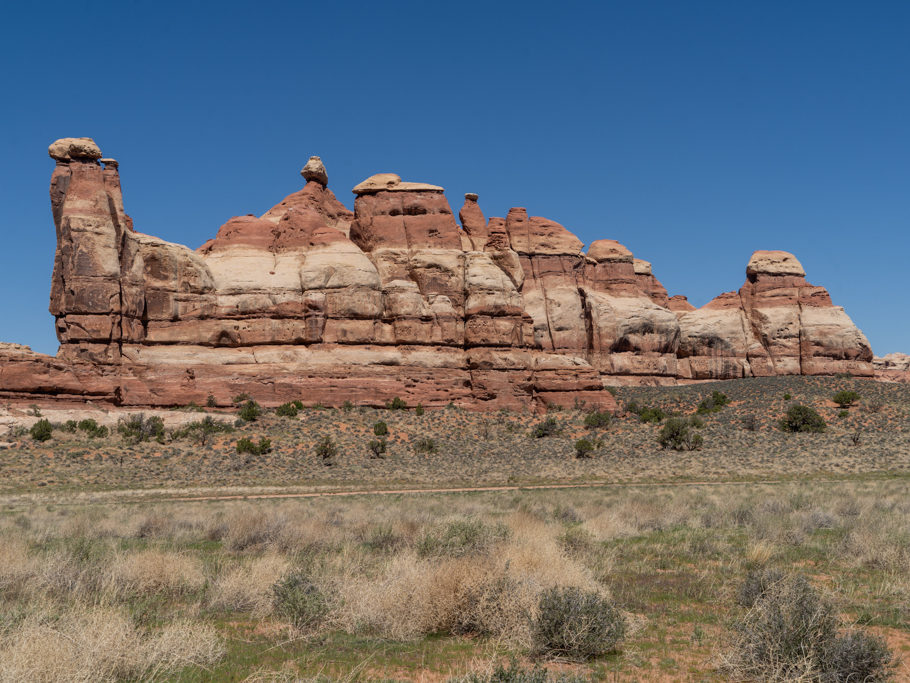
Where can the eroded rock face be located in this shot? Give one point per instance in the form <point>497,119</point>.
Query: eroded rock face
<point>314,301</point>
<point>893,367</point>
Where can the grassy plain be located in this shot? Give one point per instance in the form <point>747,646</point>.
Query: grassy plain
<point>106,574</point>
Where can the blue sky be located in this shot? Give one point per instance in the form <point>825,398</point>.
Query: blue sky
<point>693,132</point>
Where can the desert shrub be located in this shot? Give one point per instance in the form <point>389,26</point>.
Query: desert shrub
<point>41,430</point>
<point>713,403</point>
<point>584,448</point>
<point>418,411</point>
<point>791,633</point>
<point>425,444</point>
<point>327,450</point>
<point>843,413</point>
<point>211,401</point>
<point>802,419</point>
<point>298,404</point>
<point>845,398</point>
<point>396,404</point>
<point>547,427</point>
<point>139,428</point>
<point>347,406</point>
<point>873,406</point>
<point>598,419</point>
<point>92,428</point>
<point>858,656</point>
<point>381,429</point>
<point>250,411</point>
<point>515,673</point>
<point>287,410</point>
<point>576,624</point>
<point>756,584</point>
<point>677,434</point>
<point>654,415</point>
<point>240,398</point>
<point>201,430</point>
<point>695,421</point>
<point>377,448</point>
<point>461,537</point>
<point>247,445</point>
<point>70,427</point>
<point>298,599</point>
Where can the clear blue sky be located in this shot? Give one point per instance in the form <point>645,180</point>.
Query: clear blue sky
<point>693,132</point>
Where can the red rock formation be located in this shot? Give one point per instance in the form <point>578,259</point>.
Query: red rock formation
<point>314,301</point>
<point>892,367</point>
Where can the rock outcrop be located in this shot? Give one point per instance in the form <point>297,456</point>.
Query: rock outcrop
<point>314,301</point>
<point>892,367</point>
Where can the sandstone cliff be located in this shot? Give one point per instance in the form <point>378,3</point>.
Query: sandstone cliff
<point>395,298</point>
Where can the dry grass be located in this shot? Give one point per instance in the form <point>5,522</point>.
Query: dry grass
<point>164,588</point>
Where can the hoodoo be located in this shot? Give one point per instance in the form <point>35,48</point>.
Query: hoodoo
<point>393,299</point>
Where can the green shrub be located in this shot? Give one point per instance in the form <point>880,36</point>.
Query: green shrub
<point>347,406</point>
<point>299,600</point>
<point>792,633</point>
<point>139,428</point>
<point>298,404</point>
<point>240,398</point>
<point>547,427</point>
<point>845,398</point>
<point>802,419</point>
<point>41,430</point>
<point>201,430</point>
<point>92,428</point>
<point>598,419</point>
<point>584,448</point>
<point>250,411</point>
<point>787,397</point>
<point>677,434</point>
<point>327,450</point>
<point>377,448</point>
<point>843,413</point>
<point>247,445</point>
<point>396,404</point>
<point>381,429</point>
<point>713,403</point>
<point>70,427</point>
<point>576,624</point>
<point>425,445</point>
<point>418,411</point>
<point>210,401</point>
<point>461,537</point>
<point>287,410</point>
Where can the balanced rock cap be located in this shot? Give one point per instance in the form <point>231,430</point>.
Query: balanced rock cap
<point>471,196</point>
<point>315,170</point>
<point>774,263</point>
<point>609,250</point>
<point>641,267</point>
<point>67,149</point>
<point>109,163</point>
<point>391,182</point>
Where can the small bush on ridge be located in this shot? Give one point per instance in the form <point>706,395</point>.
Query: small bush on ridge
<point>247,445</point>
<point>584,448</point>
<point>381,429</point>
<point>287,410</point>
<point>425,445</point>
<point>677,434</point>
<point>845,398</point>
<point>250,411</point>
<point>41,430</point>
<point>396,404</point>
<point>377,448</point>
<point>92,428</point>
<point>327,450</point>
<point>598,419</point>
<point>802,419</point>
<point>139,428</point>
<point>547,427</point>
<point>713,403</point>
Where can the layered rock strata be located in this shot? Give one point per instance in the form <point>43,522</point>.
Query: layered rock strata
<point>397,298</point>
